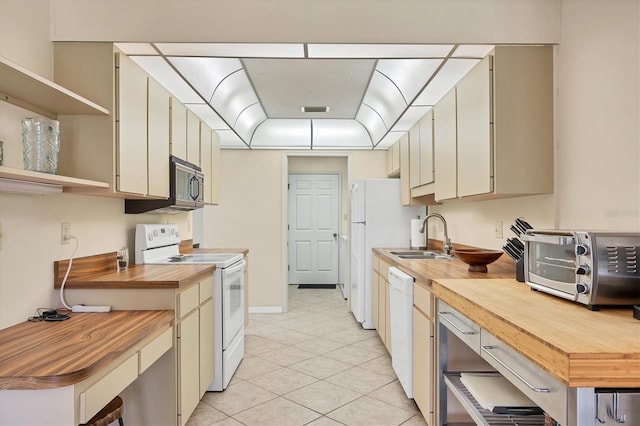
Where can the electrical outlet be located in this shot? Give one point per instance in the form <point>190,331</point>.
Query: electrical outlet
<point>497,231</point>
<point>65,230</point>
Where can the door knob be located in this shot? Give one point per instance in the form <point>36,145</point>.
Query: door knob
<point>335,235</point>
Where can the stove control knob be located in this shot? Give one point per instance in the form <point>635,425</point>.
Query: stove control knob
<point>155,232</point>
<point>582,288</point>
<point>583,270</point>
<point>173,231</point>
<point>150,237</point>
<point>582,250</point>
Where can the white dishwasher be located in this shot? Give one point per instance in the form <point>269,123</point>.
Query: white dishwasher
<point>401,303</point>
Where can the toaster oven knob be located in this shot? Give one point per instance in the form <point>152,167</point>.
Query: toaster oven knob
<point>582,249</point>
<point>583,270</point>
<point>582,288</point>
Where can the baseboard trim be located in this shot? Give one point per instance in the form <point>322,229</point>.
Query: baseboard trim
<point>265,310</point>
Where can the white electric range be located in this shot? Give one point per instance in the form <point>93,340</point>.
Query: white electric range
<point>159,244</point>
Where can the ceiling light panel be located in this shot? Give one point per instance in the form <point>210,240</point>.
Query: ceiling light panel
<point>391,138</point>
<point>232,96</point>
<point>205,74</point>
<point>410,75</point>
<point>379,50</point>
<point>372,122</point>
<point>162,72</point>
<point>229,140</point>
<point>233,50</point>
<point>283,133</point>
<point>383,96</point>
<point>448,76</point>
<point>248,120</point>
<point>345,134</point>
<point>137,48</point>
<point>472,51</point>
<point>209,116</point>
<point>410,117</point>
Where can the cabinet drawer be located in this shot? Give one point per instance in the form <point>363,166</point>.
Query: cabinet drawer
<point>423,300</point>
<point>537,384</point>
<point>103,391</point>
<point>206,289</point>
<point>384,269</point>
<point>188,300</point>
<point>376,263</point>
<point>155,349</point>
<point>466,330</point>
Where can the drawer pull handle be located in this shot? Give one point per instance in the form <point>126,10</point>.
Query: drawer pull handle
<point>465,332</point>
<point>487,349</point>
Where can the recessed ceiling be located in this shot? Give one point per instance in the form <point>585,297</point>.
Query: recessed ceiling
<point>252,94</point>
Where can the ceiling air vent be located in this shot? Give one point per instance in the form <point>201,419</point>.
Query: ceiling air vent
<point>315,109</point>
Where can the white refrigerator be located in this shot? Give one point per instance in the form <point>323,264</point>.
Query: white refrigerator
<point>378,219</point>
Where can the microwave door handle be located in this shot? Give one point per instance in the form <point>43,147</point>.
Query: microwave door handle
<point>194,188</point>
<point>563,240</point>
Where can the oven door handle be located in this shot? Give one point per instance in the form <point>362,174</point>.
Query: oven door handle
<point>236,267</point>
<point>556,239</point>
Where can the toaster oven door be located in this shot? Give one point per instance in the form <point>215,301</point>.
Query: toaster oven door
<point>550,264</point>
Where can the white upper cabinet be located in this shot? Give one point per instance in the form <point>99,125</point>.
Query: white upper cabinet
<point>131,126</point>
<point>426,149</point>
<point>178,129</point>
<point>193,138</point>
<point>445,146</point>
<point>158,139</point>
<point>206,159</point>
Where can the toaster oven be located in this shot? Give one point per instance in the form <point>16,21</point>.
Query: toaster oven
<point>592,268</point>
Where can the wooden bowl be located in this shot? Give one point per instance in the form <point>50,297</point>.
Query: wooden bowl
<point>477,259</point>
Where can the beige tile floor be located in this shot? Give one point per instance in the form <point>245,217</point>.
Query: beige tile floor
<point>313,365</point>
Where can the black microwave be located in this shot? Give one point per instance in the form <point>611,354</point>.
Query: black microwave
<point>186,191</point>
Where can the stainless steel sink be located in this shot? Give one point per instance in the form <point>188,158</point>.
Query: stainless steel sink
<point>420,254</point>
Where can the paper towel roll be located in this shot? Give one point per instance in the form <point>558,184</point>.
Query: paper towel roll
<point>418,239</point>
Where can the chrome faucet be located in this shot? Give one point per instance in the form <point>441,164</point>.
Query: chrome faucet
<point>446,244</point>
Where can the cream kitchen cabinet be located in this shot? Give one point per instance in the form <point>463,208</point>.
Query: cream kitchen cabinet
<point>112,148</point>
<point>421,152</point>
<point>178,129</point>
<point>382,318</point>
<point>193,138</point>
<point>503,113</point>
<point>424,353</point>
<point>405,188</point>
<point>188,356</point>
<point>393,160</point>
<point>210,163</point>
<point>158,115</point>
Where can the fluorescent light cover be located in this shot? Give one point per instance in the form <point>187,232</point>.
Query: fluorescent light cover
<point>384,97</point>
<point>372,122</point>
<point>410,117</point>
<point>448,76</point>
<point>160,70</point>
<point>233,50</point>
<point>28,187</point>
<point>232,96</point>
<point>228,139</point>
<point>391,138</point>
<point>248,120</point>
<point>205,73</point>
<point>137,48</point>
<point>472,51</point>
<point>287,133</point>
<point>209,116</point>
<point>379,50</point>
<point>410,75</point>
<point>328,133</point>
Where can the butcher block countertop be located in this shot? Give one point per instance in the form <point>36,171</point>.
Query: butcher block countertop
<point>45,355</point>
<point>581,348</point>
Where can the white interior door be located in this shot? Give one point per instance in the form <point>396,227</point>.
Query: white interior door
<point>314,218</point>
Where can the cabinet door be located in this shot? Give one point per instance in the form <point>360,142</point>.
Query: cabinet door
<point>382,325</point>
<point>414,156</point>
<point>205,160</point>
<point>423,365</point>
<point>445,146</point>
<point>405,189</point>
<point>188,362</point>
<point>131,126</point>
<point>374,307</point>
<point>215,169</point>
<point>387,315</point>
<point>426,149</point>
<point>207,352</point>
<point>475,145</point>
<point>158,139</point>
<point>193,138</point>
<point>395,157</point>
<point>178,129</point>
